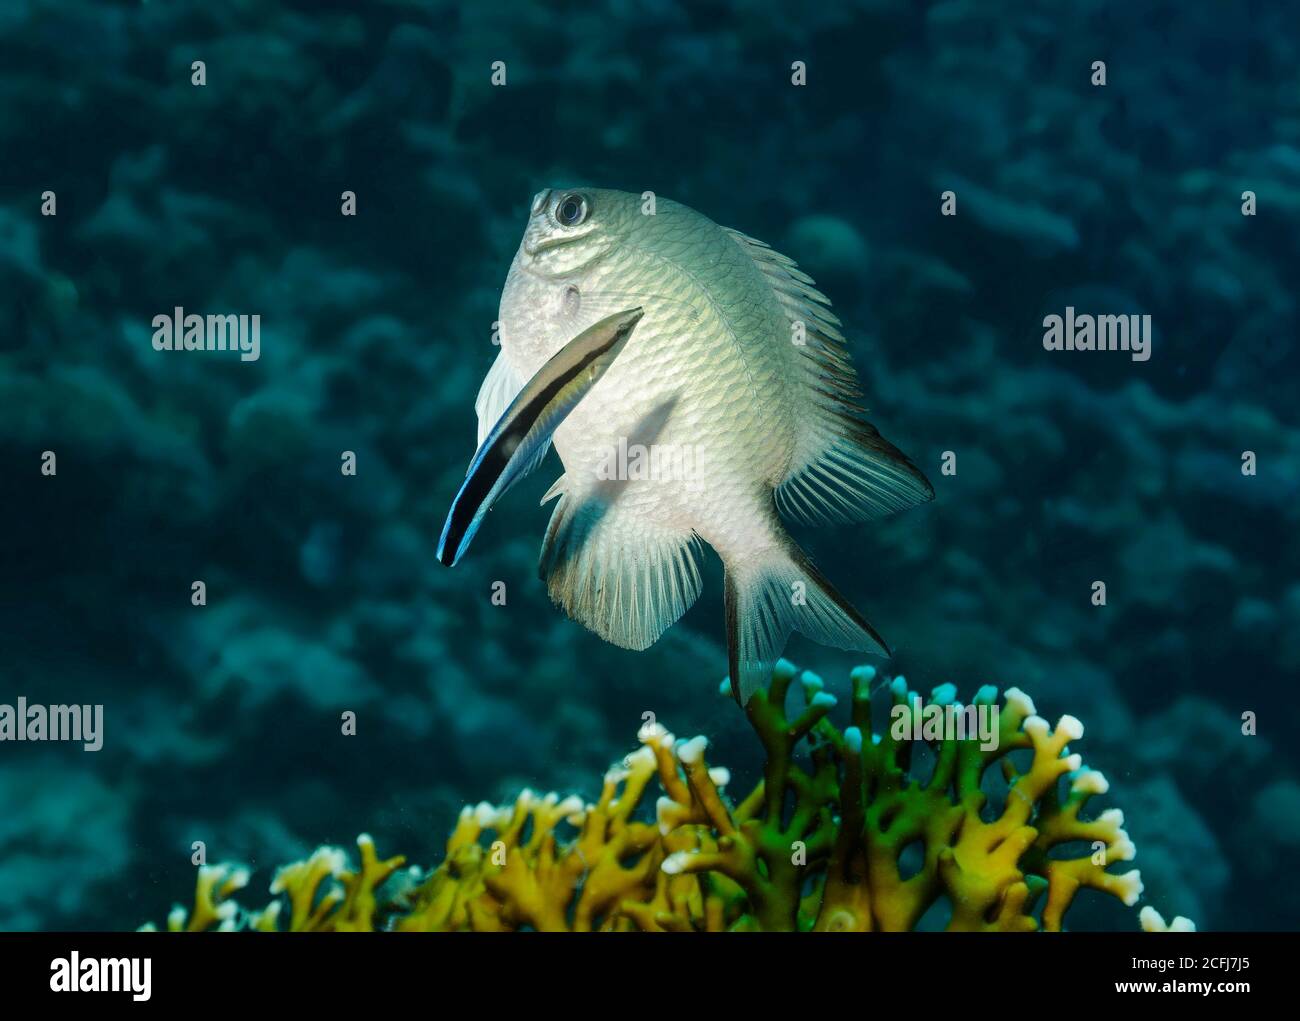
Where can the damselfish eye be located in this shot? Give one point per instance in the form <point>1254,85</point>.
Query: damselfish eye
<point>571,210</point>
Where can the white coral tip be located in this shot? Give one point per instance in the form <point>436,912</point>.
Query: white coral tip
<point>675,863</point>
<point>720,775</point>
<point>665,809</point>
<point>944,694</point>
<point>1017,699</point>
<point>569,805</point>
<point>1070,727</point>
<point>1090,781</point>
<point>823,698</point>
<point>1152,921</point>
<point>853,740</point>
<point>863,674</point>
<point>691,752</point>
<point>1129,887</point>
<point>811,682</point>
<point>641,759</point>
<point>334,858</point>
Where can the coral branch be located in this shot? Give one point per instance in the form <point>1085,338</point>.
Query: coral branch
<point>852,829</point>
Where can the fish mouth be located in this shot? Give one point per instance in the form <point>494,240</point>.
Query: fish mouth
<point>532,247</point>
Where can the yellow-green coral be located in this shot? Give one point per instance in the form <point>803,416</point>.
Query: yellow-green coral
<point>819,844</point>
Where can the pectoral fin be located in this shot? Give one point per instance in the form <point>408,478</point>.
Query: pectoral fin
<point>521,434</point>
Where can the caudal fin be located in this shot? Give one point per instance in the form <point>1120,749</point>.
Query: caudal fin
<point>776,593</point>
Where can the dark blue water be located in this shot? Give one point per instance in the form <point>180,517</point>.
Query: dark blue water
<point>222,722</point>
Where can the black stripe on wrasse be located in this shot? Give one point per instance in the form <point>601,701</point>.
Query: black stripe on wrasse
<point>498,450</point>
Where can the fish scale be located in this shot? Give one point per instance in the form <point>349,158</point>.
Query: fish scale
<point>668,332</point>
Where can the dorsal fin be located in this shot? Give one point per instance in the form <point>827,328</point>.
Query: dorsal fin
<point>843,469</point>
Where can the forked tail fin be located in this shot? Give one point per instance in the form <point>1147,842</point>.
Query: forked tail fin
<point>773,594</point>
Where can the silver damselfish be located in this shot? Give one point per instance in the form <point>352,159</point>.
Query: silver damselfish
<point>701,339</point>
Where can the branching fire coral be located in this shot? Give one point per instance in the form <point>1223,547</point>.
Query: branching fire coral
<point>858,829</point>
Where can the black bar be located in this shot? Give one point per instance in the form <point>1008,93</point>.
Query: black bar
<point>859,970</point>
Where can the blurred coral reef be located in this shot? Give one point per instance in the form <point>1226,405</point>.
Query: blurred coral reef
<point>324,597</point>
